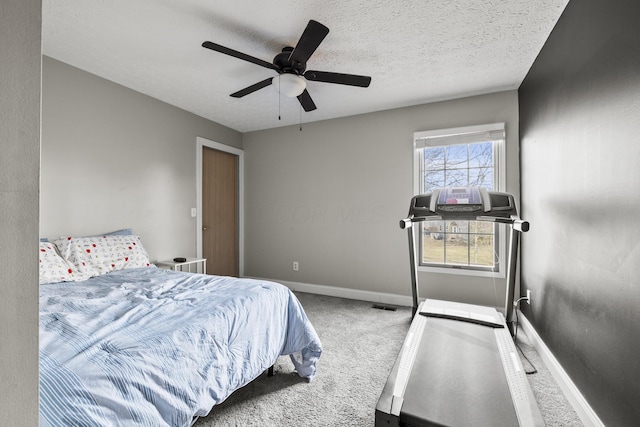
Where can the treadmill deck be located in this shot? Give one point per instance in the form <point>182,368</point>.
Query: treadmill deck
<point>456,371</point>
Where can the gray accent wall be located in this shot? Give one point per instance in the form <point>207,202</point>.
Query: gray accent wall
<point>20,70</point>
<point>580,158</point>
<point>331,197</point>
<point>114,158</point>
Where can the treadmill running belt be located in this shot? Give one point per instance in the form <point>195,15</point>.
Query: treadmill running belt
<point>457,379</point>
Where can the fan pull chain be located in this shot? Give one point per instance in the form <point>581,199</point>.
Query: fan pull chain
<point>279,96</point>
<point>300,117</point>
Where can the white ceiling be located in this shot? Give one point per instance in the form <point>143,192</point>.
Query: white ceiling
<point>416,51</point>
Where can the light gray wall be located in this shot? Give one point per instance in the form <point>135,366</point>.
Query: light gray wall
<point>20,28</point>
<point>331,197</point>
<point>114,158</point>
<point>580,129</point>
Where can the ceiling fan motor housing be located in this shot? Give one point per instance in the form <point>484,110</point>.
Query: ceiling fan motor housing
<point>285,65</point>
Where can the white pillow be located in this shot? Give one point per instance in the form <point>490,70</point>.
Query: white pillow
<point>54,268</point>
<point>94,256</point>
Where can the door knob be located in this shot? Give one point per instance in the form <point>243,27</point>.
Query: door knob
<point>204,228</point>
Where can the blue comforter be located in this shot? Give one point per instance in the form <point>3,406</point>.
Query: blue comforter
<point>154,347</point>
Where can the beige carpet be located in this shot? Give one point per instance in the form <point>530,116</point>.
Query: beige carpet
<point>360,345</point>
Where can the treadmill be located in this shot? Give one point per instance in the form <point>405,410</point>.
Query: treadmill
<point>458,365</point>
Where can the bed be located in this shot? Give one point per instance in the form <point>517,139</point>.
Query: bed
<point>123,342</point>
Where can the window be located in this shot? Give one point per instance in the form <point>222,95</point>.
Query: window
<point>468,156</point>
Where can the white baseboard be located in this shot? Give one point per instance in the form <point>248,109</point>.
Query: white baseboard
<point>334,291</point>
<point>587,415</point>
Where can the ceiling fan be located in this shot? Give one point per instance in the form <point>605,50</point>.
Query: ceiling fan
<point>291,65</point>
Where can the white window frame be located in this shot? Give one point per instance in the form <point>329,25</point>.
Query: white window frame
<point>500,183</point>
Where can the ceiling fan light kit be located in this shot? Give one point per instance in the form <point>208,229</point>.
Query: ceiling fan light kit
<point>289,85</point>
<point>291,65</point>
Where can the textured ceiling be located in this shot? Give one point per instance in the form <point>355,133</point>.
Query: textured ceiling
<point>416,51</point>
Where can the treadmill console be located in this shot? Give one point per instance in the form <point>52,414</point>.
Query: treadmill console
<point>462,203</point>
<point>458,199</point>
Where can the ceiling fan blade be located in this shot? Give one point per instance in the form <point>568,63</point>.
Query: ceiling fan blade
<point>252,88</point>
<point>309,42</point>
<point>338,78</point>
<point>239,55</point>
<point>306,101</point>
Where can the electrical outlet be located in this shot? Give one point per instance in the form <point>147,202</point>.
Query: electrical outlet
<point>528,296</point>
<point>296,266</point>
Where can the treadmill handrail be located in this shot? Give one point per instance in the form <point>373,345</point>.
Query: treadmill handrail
<point>519,224</point>
<point>425,207</point>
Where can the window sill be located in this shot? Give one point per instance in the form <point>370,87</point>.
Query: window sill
<point>461,271</point>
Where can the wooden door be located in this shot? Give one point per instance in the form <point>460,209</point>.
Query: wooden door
<point>220,211</point>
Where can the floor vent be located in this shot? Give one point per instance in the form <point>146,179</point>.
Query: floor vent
<point>381,306</point>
